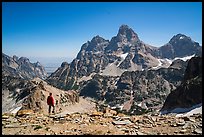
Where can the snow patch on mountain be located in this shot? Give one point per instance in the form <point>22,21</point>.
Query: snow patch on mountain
<point>191,112</point>
<point>185,111</point>
<point>181,37</point>
<point>159,65</point>
<point>123,56</point>
<point>165,63</point>
<point>15,110</point>
<point>184,58</point>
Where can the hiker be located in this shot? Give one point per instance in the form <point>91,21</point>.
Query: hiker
<point>50,102</point>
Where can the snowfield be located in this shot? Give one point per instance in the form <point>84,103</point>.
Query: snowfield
<point>185,111</point>
<point>167,62</point>
<point>123,56</point>
<point>184,58</point>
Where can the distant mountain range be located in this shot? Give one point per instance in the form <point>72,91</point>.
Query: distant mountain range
<point>124,52</point>
<point>124,73</point>
<point>22,67</point>
<point>125,69</point>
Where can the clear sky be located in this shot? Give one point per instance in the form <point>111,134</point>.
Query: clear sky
<point>58,29</point>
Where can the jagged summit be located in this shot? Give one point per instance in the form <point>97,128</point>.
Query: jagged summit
<point>22,67</point>
<point>24,59</point>
<point>97,40</point>
<point>125,38</point>
<point>126,32</point>
<point>123,28</point>
<point>180,45</point>
<point>179,37</point>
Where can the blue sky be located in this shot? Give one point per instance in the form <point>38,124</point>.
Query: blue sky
<point>58,29</point>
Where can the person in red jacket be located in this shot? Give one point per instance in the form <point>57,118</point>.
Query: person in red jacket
<point>50,102</point>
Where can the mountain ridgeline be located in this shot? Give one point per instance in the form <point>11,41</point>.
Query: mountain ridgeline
<point>121,72</point>
<point>22,67</point>
<point>126,70</point>
<point>124,52</point>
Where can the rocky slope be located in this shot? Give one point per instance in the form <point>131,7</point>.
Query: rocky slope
<point>189,93</point>
<point>22,67</point>
<point>100,123</point>
<point>19,94</point>
<point>149,87</point>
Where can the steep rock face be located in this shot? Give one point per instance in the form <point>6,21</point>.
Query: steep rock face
<point>178,64</point>
<point>63,77</point>
<point>98,86</point>
<point>180,46</point>
<point>149,87</point>
<point>14,90</point>
<point>22,67</point>
<point>189,93</point>
<point>194,68</point>
<point>91,57</point>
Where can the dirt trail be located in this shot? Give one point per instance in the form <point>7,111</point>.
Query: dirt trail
<point>84,106</point>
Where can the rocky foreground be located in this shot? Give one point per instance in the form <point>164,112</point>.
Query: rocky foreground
<point>99,123</point>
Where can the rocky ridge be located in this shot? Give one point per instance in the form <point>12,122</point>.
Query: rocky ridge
<point>124,52</point>
<point>22,67</point>
<point>32,94</point>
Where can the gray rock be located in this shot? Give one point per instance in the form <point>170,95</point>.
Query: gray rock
<point>180,123</point>
<point>186,125</point>
<point>125,122</point>
<point>124,118</point>
<point>198,131</point>
<point>5,117</point>
<point>192,120</point>
<point>22,67</point>
<point>140,133</point>
<point>18,125</point>
<point>200,125</point>
<point>183,131</point>
<point>125,129</point>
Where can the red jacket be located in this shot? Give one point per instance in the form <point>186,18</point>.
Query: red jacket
<point>50,100</point>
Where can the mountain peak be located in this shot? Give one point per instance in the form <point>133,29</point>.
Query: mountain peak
<point>125,32</point>
<point>24,60</point>
<point>124,26</point>
<point>124,29</point>
<point>180,45</point>
<point>98,39</point>
<point>95,42</point>
<point>179,37</point>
